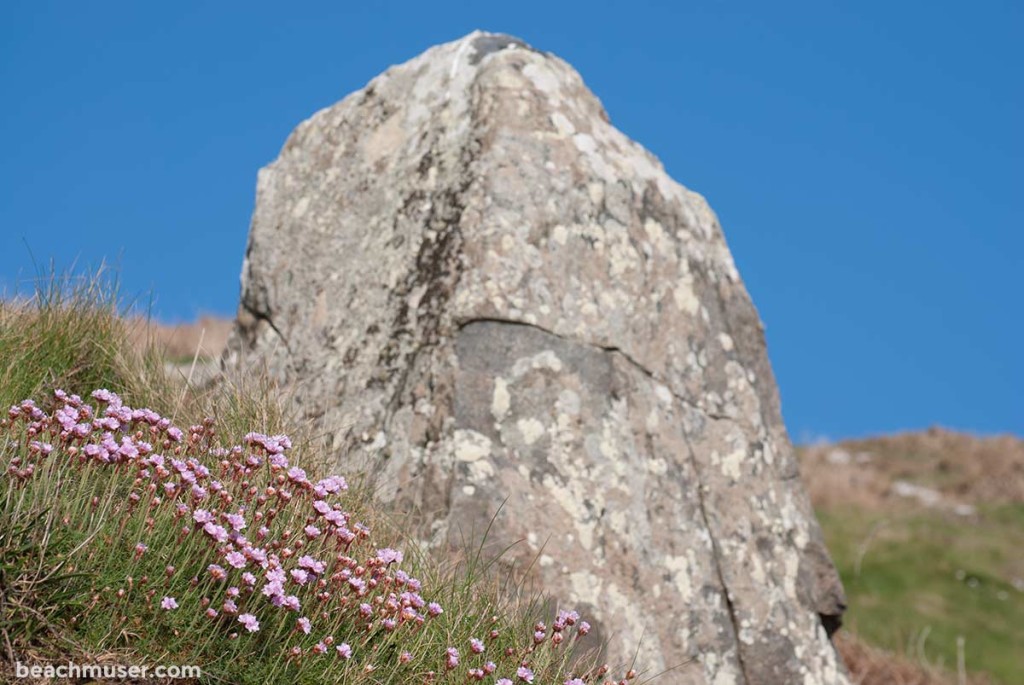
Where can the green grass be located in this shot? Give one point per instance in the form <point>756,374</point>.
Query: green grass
<point>70,585</point>
<point>926,578</point>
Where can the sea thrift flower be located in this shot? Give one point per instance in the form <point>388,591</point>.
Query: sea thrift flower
<point>235,559</point>
<point>201,516</point>
<point>476,645</point>
<point>388,556</point>
<point>303,624</point>
<point>452,658</point>
<point>216,532</point>
<point>344,651</point>
<point>312,564</point>
<point>575,681</point>
<point>236,521</point>
<point>524,674</point>
<point>250,622</point>
<point>503,681</point>
<point>583,628</point>
<point>434,609</point>
<point>168,603</point>
<point>140,549</point>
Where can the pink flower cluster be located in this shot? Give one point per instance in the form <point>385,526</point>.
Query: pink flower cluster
<point>540,639</point>
<point>242,503</point>
<point>257,544</point>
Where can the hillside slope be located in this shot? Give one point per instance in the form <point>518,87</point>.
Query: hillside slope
<point>926,529</point>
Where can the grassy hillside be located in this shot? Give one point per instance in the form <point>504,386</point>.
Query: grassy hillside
<point>146,522</point>
<point>927,531</point>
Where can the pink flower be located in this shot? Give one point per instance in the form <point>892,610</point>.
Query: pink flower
<point>303,624</point>
<point>201,516</point>
<point>583,628</point>
<point>452,658</point>
<point>311,531</point>
<point>168,603</point>
<point>291,602</point>
<point>235,559</point>
<point>503,681</point>
<point>216,532</point>
<point>388,556</point>
<point>524,674</point>
<point>476,645</point>
<point>575,681</point>
<point>434,609</point>
<point>344,651</point>
<point>250,622</point>
<point>217,572</point>
<point>312,564</point>
<point>140,549</point>
<point>299,576</point>
<point>236,521</point>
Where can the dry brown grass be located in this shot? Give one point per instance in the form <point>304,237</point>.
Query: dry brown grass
<point>964,468</point>
<point>873,666</point>
<point>180,342</point>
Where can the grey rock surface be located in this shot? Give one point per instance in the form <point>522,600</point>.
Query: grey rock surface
<point>468,276</point>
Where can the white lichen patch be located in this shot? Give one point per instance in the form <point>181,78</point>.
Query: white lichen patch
<point>542,360</point>
<point>572,504</point>
<point>501,400</point>
<point>562,124</point>
<point>471,445</point>
<point>680,570</point>
<point>685,298</point>
<point>530,430</point>
<point>560,234</point>
<point>473,448</point>
<point>732,462</point>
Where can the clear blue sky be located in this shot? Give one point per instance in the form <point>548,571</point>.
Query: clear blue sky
<point>866,160</point>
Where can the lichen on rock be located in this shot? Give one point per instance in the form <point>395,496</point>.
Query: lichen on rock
<point>464,261</point>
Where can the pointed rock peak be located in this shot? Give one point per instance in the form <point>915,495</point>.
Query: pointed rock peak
<point>484,293</point>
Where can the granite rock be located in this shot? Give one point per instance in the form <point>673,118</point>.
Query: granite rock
<point>475,284</point>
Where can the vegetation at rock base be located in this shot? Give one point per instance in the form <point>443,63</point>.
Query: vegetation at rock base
<point>144,522</point>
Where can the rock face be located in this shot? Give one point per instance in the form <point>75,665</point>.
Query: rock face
<point>471,278</point>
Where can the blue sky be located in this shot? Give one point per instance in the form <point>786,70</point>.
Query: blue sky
<point>866,160</point>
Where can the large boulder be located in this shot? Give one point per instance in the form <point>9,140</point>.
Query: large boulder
<point>466,274</point>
